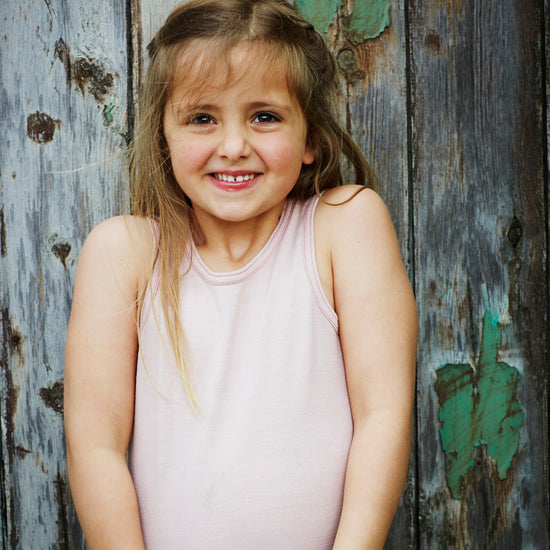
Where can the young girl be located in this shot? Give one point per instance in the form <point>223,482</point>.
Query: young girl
<point>248,335</point>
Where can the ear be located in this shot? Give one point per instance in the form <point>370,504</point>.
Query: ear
<point>308,157</point>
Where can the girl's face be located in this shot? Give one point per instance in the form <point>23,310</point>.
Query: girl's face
<point>238,145</point>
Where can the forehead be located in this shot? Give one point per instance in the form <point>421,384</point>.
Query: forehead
<point>202,68</point>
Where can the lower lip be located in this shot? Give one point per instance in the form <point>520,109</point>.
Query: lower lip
<point>232,186</point>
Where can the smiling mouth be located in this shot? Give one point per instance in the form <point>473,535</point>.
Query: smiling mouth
<point>234,179</point>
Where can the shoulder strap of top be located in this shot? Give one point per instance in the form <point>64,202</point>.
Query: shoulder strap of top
<point>310,260</point>
<point>153,285</point>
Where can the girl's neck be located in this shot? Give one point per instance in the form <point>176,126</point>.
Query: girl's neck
<point>228,246</point>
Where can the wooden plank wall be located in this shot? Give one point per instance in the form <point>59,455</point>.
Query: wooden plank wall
<point>479,194</point>
<point>62,127</point>
<point>449,99</point>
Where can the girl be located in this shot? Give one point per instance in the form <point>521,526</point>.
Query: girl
<point>248,335</point>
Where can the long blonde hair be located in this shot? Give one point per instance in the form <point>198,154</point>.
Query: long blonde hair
<point>218,26</point>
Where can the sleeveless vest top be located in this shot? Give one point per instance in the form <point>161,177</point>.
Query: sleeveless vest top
<point>261,466</point>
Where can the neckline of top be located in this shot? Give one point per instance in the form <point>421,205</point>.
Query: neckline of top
<point>236,276</point>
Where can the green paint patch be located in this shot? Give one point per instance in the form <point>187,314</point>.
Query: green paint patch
<point>479,408</point>
<point>108,114</point>
<point>368,18</point>
<point>319,13</point>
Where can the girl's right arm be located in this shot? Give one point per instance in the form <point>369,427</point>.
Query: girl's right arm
<point>100,363</point>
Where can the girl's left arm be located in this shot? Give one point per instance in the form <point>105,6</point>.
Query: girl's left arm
<point>378,331</point>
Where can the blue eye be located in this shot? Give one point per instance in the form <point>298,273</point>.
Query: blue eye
<point>200,118</point>
<point>266,118</point>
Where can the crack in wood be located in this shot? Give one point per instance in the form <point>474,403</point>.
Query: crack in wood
<point>8,405</point>
<point>3,245</point>
<point>62,521</point>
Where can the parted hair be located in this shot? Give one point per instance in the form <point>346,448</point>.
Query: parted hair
<point>218,27</point>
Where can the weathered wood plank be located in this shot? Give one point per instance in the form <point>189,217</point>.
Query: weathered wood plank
<point>378,106</point>
<point>147,17</point>
<point>546,88</point>
<point>480,233</point>
<point>374,97</point>
<point>63,116</point>
<point>546,99</point>
<point>373,81</point>
<point>546,20</point>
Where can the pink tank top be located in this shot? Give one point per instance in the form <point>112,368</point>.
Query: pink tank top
<point>262,466</point>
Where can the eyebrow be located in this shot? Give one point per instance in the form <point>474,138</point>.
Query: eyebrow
<point>269,105</point>
<point>198,106</point>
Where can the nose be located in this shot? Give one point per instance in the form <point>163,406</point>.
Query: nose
<point>234,142</point>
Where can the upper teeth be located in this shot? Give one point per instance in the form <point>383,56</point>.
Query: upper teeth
<point>230,179</point>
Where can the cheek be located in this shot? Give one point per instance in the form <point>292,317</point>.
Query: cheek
<point>283,153</point>
<point>280,156</point>
<point>184,153</point>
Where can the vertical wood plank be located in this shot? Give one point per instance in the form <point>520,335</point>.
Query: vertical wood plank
<point>372,74</point>
<point>479,195</point>
<point>147,17</point>
<point>545,92</point>
<point>63,125</point>
<point>375,96</point>
<point>379,124</point>
<point>546,30</point>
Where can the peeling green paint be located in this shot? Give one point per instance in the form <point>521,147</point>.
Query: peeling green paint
<point>108,114</point>
<point>319,13</point>
<point>368,18</point>
<point>479,408</point>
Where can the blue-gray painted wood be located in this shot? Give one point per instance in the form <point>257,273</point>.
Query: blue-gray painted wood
<point>480,246</point>
<point>374,97</point>
<point>62,122</point>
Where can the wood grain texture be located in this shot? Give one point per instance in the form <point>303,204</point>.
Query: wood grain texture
<point>373,80</point>
<point>63,120</point>
<point>374,100</point>
<point>545,92</point>
<point>480,234</point>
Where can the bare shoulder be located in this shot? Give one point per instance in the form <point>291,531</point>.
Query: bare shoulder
<point>354,237</point>
<point>121,248</point>
<point>351,212</point>
<point>121,238</point>
<point>365,255</point>
<point>121,235</point>
<point>354,199</point>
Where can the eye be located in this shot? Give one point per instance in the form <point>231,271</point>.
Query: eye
<point>200,118</point>
<point>265,117</point>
